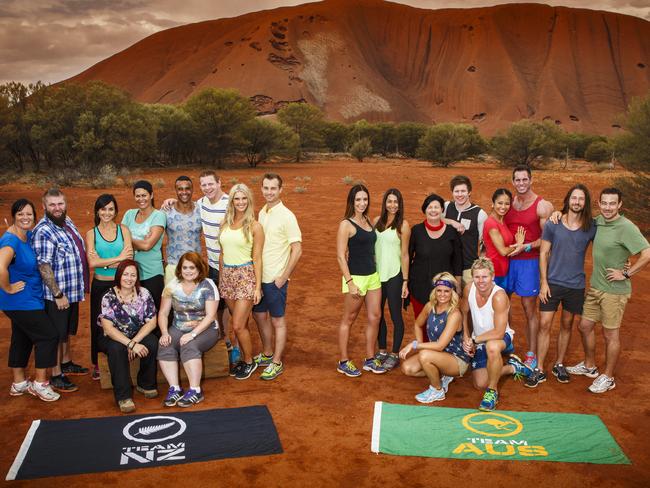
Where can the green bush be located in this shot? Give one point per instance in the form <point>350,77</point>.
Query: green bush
<point>598,152</point>
<point>527,142</point>
<point>446,143</point>
<point>361,149</point>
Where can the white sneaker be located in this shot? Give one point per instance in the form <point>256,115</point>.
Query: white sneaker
<point>430,395</point>
<point>445,380</point>
<point>602,384</point>
<point>581,369</point>
<point>18,389</point>
<point>43,391</point>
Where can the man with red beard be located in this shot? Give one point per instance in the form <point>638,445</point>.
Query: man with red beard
<point>62,263</point>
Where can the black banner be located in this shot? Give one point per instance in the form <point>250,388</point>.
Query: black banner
<point>66,447</point>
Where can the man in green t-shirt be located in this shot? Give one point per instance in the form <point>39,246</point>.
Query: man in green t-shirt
<point>616,240</point>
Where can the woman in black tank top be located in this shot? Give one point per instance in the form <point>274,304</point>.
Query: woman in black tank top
<point>355,250</point>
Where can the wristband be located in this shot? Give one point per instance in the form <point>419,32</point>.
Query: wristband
<point>528,248</point>
<point>404,280</point>
<point>626,274</point>
<point>129,345</point>
<point>415,345</point>
<point>348,281</point>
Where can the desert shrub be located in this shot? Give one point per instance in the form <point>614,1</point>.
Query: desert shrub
<point>576,143</point>
<point>636,200</point>
<point>445,143</point>
<point>300,189</point>
<point>361,149</point>
<point>159,183</point>
<point>527,142</point>
<point>598,152</point>
<point>106,177</point>
<point>348,180</point>
<point>233,181</point>
<point>306,121</point>
<point>632,146</point>
<point>407,137</point>
<point>335,135</point>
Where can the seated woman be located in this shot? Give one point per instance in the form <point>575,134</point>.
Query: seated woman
<point>128,318</point>
<point>194,329</point>
<point>443,354</point>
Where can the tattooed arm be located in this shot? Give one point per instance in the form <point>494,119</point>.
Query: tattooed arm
<point>48,278</point>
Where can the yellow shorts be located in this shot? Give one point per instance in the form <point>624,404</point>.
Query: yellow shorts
<point>170,273</point>
<point>364,283</point>
<point>466,279</point>
<point>606,308</point>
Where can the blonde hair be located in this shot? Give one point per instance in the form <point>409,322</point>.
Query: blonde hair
<point>249,215</point>
<point>483,263</point>
<point>455,299</point>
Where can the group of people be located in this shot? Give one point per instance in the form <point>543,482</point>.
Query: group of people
<point>161,314</point>
<point>459,268</point>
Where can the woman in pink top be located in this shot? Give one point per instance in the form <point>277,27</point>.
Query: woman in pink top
<point>497,238</point>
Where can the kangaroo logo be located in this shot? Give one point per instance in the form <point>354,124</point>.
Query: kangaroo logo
<point>492,424</point>
<point>150,430</point>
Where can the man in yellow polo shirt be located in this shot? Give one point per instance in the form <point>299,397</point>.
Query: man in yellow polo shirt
<point>282,250</point>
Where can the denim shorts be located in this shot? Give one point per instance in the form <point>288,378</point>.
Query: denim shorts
<point>274,299</point>
<point>480,357</point>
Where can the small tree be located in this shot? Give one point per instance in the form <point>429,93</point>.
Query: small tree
<point>446,143</point>
<point>632,146</point>
<point>361,149</point>
<point>263,138</point>
<point>526,141</point>
<point>306,121</point>
<point>408,135</point>
<point>598,152</point>
<point>335,135</point>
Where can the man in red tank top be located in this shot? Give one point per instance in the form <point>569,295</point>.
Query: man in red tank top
<point>529,211</point>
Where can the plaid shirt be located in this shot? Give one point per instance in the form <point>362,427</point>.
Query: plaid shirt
<point>55,247</point>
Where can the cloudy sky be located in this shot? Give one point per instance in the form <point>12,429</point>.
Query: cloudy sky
<point>51,40</point>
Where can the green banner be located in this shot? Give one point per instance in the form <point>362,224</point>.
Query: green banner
<point>460,433</point>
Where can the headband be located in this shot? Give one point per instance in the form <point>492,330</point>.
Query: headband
<point>446,283</point>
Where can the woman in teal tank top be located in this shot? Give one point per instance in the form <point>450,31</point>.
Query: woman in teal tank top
<point>107,245</point>
<point>392,254</point>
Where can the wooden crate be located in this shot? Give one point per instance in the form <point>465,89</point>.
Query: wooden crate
<point>215,365</point>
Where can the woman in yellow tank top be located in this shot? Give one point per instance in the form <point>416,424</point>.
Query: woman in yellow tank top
<point>240,264</point>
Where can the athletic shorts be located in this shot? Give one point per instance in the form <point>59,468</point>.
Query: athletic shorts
<point>170,273</point>
<point>501,281</point>
<point>523,277</point>
<point>274,300</point>
<point>194,349</point>
<point>66,321</point>
<point>466,278</point>
<point>606,308</point>
<point>364,283</point>
<point>213,274</point>
<point>480,357</point>
<point>571,299</point>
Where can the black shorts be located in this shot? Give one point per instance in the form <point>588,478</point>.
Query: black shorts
<point>65,321</point>
<point>572,299</point>
<point>213,274</point>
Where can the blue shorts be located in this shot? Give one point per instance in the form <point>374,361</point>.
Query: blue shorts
<point>480,357</point>
<point>501,281</point>
<point>523,277</point>
<point>274,300</point>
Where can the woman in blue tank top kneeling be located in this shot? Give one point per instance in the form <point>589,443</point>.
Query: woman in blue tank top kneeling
<point>443,357</point>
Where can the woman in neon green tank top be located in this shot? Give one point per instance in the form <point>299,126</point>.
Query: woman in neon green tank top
<point>107,245</point>
<point>240,264</point>
<point>392,254</point>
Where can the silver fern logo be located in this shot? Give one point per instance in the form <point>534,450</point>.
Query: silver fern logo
<point>154,429</point>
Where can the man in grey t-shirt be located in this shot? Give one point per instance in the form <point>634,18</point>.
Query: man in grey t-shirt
<point>562,277</point>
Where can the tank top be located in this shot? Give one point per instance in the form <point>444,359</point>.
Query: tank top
<point>436,323</point>
<point>361,251</point>
<point>483,317</point>
<point>388,253</point>
<point>108,249</point>
<point>236,250</point>
<point>530,221</point>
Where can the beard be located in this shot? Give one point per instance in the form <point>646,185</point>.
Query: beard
<point>58,221</point>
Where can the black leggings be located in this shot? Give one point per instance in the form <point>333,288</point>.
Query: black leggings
<point>32,328</point>
<point>391,290</point>
<point>155,285</point>
<point>97,290</point>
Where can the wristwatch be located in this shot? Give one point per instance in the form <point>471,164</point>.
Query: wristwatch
<point>193,334</point>
<point>59,295</point>
<point>627,276</point>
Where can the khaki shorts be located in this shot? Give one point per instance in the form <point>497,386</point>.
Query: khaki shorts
<point>606,308</point>
<point>364,283</point>
<point>462,366</point>
<point>170,273</point>
<point>466,279</point>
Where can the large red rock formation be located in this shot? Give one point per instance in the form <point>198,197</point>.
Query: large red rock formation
<point>384,61</point>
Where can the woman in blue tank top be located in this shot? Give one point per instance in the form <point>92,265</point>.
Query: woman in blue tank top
<point>355,251</point>
<point>107,245</point>
<point>443,357</point>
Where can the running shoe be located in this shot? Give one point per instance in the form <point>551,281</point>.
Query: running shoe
<point>602,384</point>
<point>373,365</point>
<point>272,371</point>
<point>382,356</point>
<point>560,372</point>
<point>431,395</point>
<point>62,384</point>
<point>191,397</point>
<point>531,360</point>
<point>95,375</point>
<point>72,369</point>
<point>348,369</point>
<point>490,400</point>
<point>18,389</point>
<point>234,355</point>
<point>43,391</point>
<point>234,367</point>
<point>263,360</point>
<point>148,393</point>
<point>245,371</point>
<point>581,370</point>
<point>173,396</point>
<point>126,405</point>
<point>535,379</point>
<point>521,369</point>
<point>445,380</point>
<point>391,362</point>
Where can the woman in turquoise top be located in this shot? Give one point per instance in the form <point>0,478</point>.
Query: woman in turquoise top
<point>392,255</point>
<point>107,245</point>
<point>147,226</point>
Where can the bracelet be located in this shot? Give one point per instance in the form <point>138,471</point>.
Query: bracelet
<point>528,248</point>
<point>404,280</point>
<point>348,281</point>
<point>415,345</point>
<point>129,345</point>
<point>626,274</point>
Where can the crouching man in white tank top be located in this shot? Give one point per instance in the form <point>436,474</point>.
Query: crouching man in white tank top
<point>490,336</point>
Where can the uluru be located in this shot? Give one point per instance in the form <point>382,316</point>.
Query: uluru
<point>382,61</point>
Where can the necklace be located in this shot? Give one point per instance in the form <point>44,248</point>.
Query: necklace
<point>124,299</point>
<point>433,228</point>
